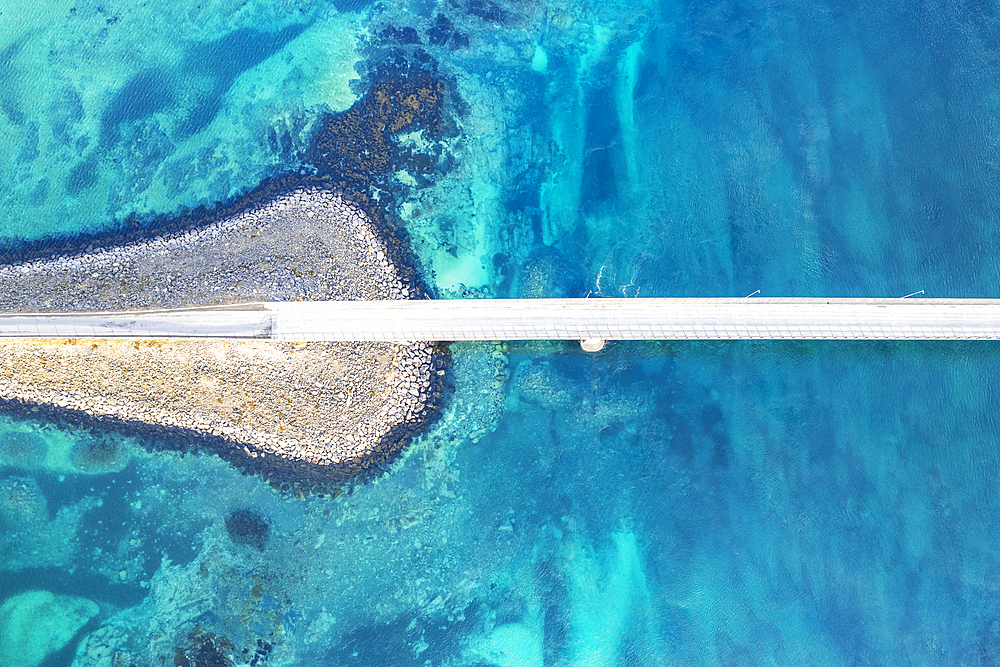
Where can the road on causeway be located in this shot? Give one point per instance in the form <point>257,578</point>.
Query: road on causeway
<point>538,319</point>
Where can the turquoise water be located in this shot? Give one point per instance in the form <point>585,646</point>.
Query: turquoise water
<point>653,504</point>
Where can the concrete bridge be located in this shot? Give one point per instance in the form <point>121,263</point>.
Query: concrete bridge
<point>591,321</point>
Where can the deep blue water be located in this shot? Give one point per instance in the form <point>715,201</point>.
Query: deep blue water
<point>654,504</point>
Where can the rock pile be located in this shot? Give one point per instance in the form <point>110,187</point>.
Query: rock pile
<point>337,407</point>
<point>309,244</point>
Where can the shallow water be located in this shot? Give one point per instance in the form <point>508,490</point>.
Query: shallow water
<point>690,503</point>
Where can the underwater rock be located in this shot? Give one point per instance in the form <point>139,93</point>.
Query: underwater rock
<point>22,503</point>
<point>406,35</point>
<point>25,450</point>
<point>359,149</point>
<point>489,11</point>
<point>98,455</point>
<point>443,32</point>
<point>543,385</point>
<point>248,528</point>
<point>204,649</point>
<point>547,274</point>
<point>35,624</point>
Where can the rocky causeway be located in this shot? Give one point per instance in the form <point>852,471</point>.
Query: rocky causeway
<point>287,410</point>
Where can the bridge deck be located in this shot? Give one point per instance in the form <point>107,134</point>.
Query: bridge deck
<point>539,319</point>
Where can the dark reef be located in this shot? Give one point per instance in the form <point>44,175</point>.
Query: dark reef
<point>209,649</point>
<point>443,33</point>
<point>97,455</point>
<point>357,149</point>
<point>204,649</point>
<point>248,528</point>
<point>489,11</point>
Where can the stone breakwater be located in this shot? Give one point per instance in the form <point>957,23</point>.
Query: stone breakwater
<point>326,404</point>
<point>309,244</point>
<point>274,407</point>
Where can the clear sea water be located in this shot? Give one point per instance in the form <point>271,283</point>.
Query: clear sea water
<point>654,504</point>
